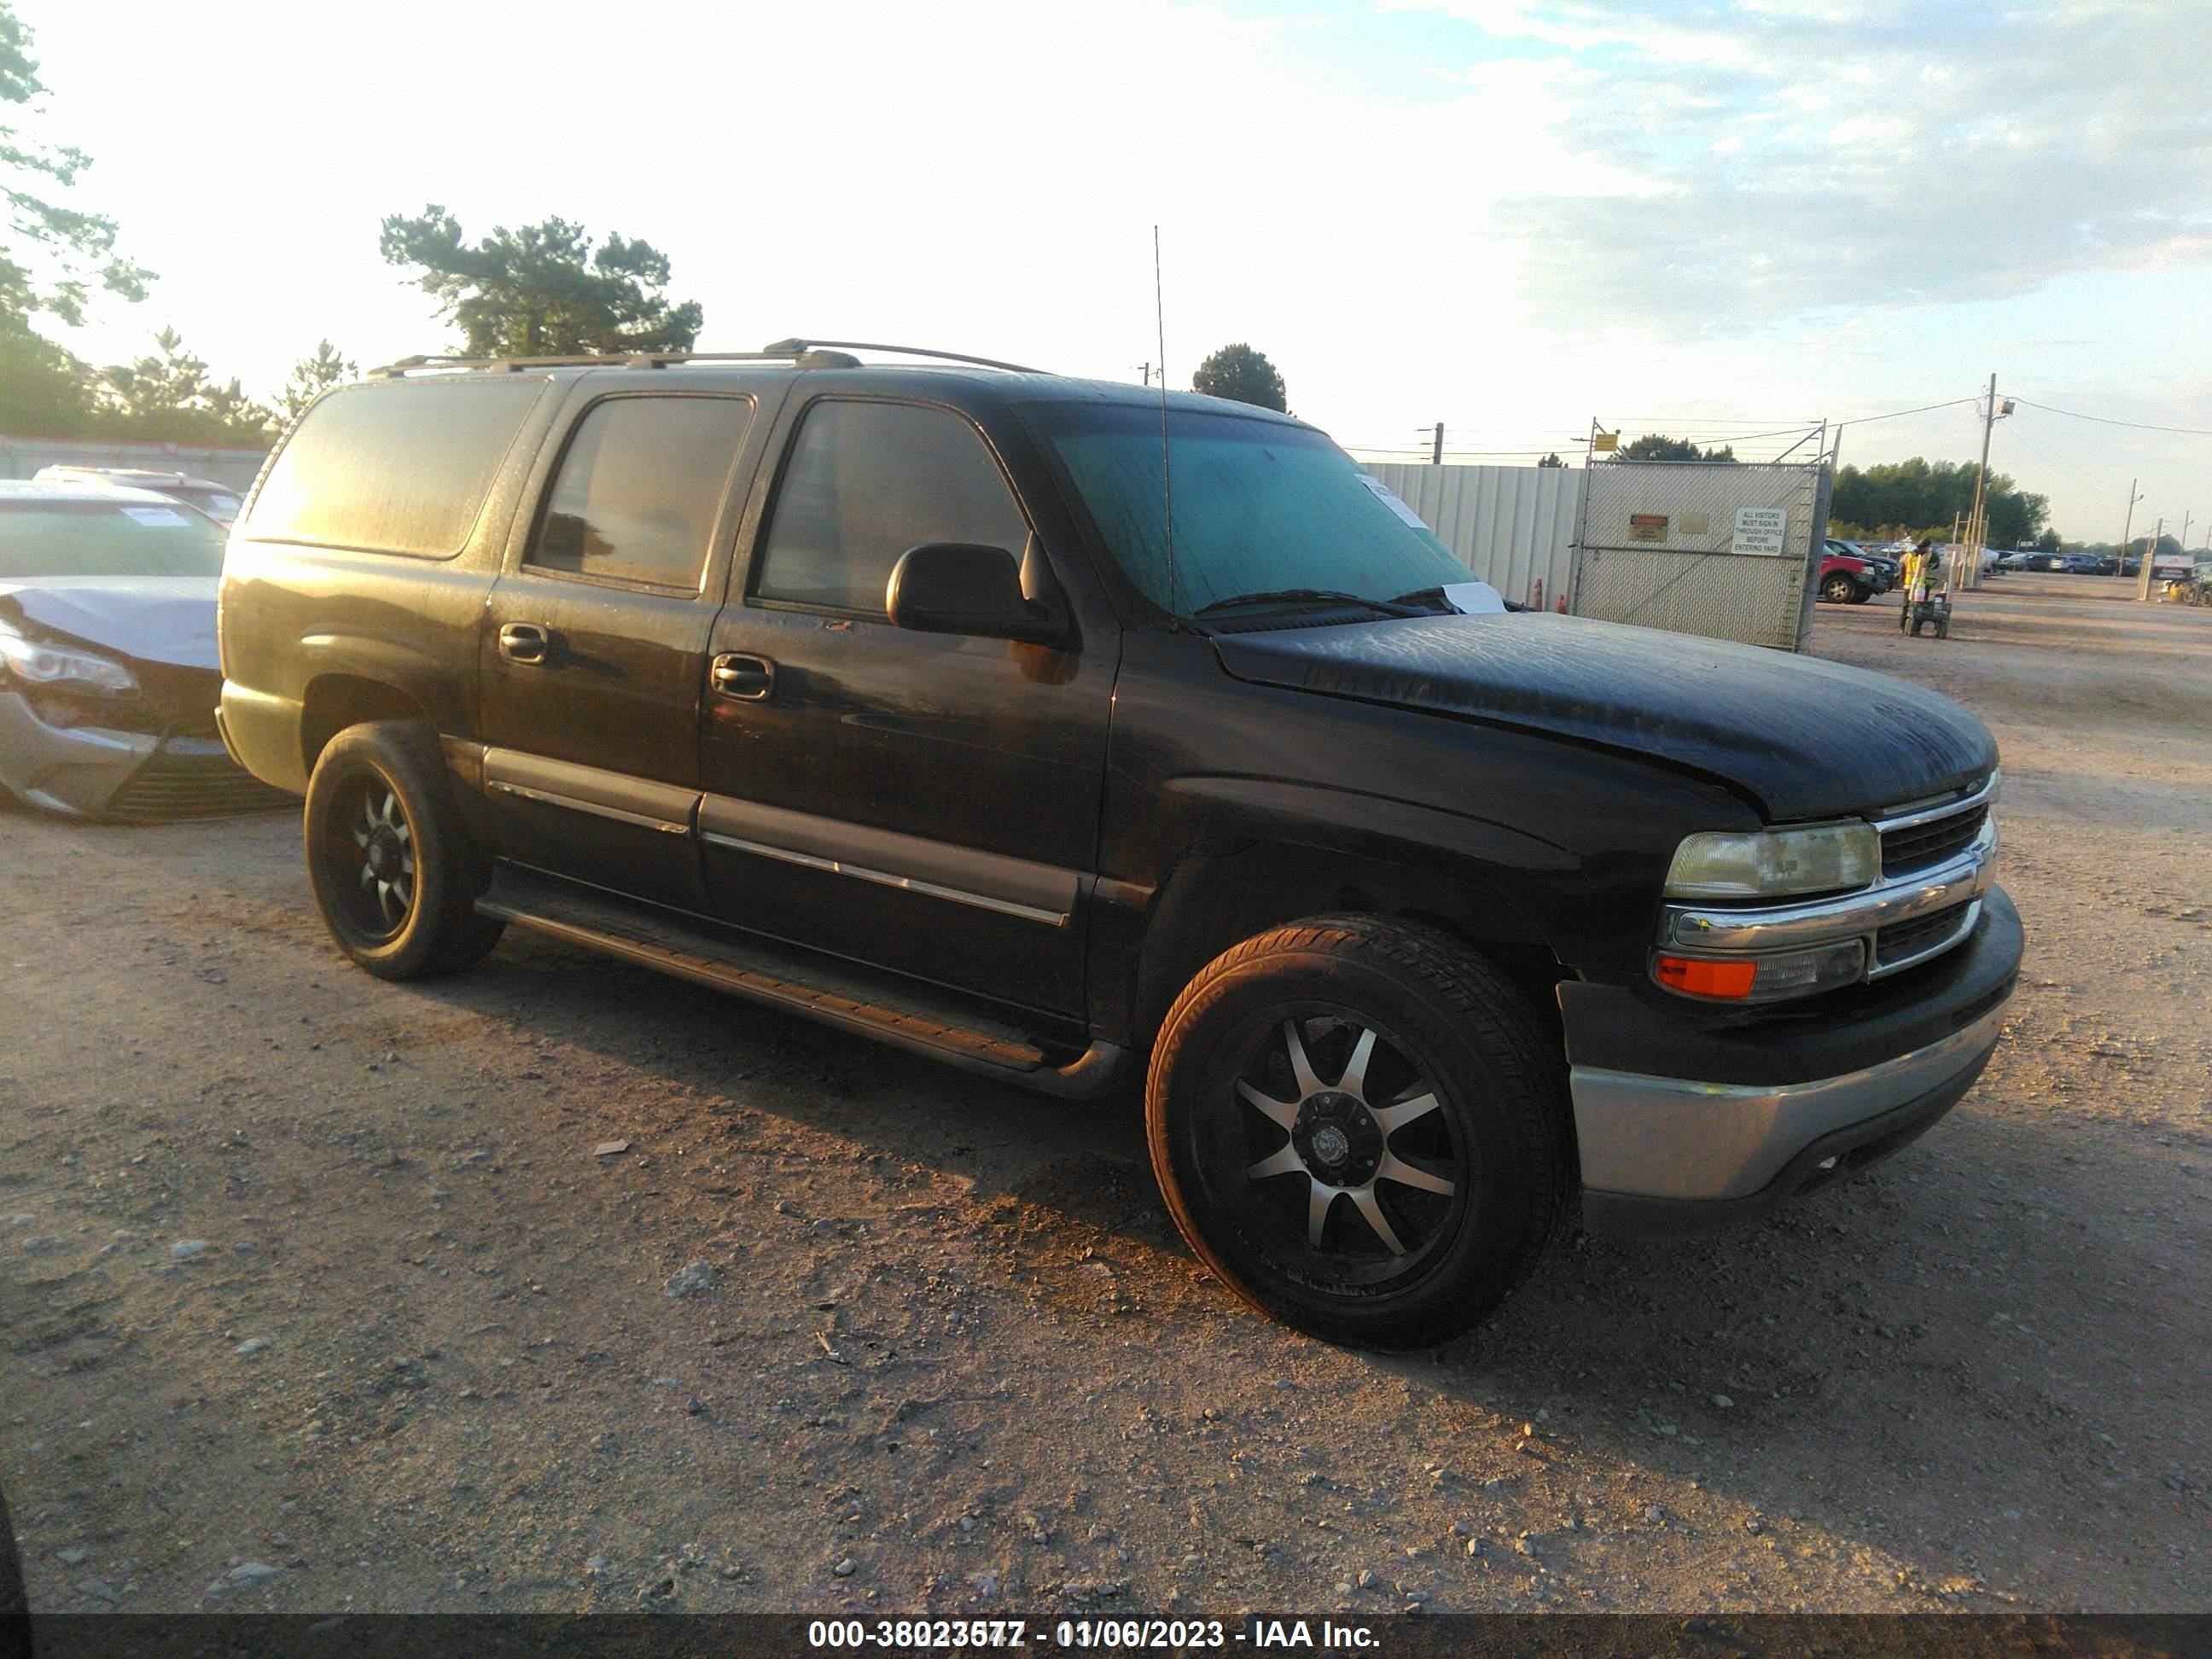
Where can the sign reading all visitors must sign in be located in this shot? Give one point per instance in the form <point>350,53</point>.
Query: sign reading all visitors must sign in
<point>1760,530</point>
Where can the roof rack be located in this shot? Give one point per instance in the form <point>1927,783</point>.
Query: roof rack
<point>783,346</point>
<point>803,354</point>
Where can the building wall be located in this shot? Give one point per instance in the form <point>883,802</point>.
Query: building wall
<point>1510,525</point>
<point>20,458</point>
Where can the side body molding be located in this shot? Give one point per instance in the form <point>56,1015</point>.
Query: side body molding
<point>615,795</point>
<point>989,881</point>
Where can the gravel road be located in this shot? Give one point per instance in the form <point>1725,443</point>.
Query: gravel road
<point>560,1286</point>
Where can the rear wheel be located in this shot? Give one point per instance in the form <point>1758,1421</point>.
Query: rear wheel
<point>394,871</point>
<point>1363,1128</point>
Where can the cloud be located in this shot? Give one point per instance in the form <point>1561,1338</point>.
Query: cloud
<point>1790,158</point>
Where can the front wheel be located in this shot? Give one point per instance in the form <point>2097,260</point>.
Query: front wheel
<point>1838,590</point>
<point>1363,1127</point>
<point>394,871</point>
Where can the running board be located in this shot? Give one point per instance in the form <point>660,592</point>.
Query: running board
<point>820,988</point>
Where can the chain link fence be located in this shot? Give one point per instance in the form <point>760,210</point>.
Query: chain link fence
<point>1728,549</point>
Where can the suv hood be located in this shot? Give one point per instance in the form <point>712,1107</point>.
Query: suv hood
<point>164,619</point>
<point>1805,738</point>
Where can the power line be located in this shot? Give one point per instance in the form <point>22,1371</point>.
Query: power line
<point>1864,419</point>
<point>2103,420</point>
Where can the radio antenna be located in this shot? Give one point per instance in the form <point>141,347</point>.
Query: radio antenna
<point>1167,481</point>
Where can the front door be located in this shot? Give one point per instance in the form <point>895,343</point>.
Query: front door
<point>923,802</point>
<point>594,642</point>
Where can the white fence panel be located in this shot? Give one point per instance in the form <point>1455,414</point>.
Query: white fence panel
<point>1512,526</point>
<point>20,458</point>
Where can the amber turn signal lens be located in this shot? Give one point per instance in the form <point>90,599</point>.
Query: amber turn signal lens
<point>1706,979</point>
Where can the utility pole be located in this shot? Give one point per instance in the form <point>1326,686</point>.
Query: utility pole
<point>1976,528</point>
<point>2142,591</point>
<point>2127,524</point>
<point>1437,451</point>
<point>1146,370</point>
<point>2185,518</point>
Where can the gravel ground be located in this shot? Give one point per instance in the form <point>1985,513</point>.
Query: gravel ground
<point>564,1286</point>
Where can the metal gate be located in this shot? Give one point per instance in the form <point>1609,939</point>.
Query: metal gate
<point>1730,549</point>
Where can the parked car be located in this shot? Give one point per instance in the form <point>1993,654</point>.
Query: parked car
<point>218,501</point>
<point>1884,571</point>
<point>2094,564</point>
<point>1846,580</point>
<point>881,694</point>
<point>109,678</point>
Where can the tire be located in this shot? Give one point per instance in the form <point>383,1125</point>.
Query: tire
<point>1917,623</point>
<point>1943,627</point>
<point>1861,595</point>
<point>395,874</point>
<point>1838,590</point>
<point>1403,1014</point>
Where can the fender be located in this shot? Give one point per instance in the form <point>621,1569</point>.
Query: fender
<point>1272,852</point>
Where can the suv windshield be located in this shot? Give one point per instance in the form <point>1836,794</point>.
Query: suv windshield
<point>108,538</point>
<point>1260,508</point>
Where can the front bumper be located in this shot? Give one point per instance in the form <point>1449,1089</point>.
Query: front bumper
<point>1686,1119</point>
<point>90,771</point>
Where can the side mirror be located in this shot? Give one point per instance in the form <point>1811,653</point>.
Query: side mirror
<point>957,587</point>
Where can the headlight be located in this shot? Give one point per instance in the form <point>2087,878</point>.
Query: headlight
<point>1768,863</point>
<point>46,665</point>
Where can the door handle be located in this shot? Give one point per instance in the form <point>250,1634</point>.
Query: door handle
<point>748,679</point>
<point>524,642</point>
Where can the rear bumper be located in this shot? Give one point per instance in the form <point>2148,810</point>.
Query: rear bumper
<point>1685,1122</point>
<point>88,771</point>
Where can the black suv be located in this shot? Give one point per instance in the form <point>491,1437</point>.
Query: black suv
<point>901,697</point>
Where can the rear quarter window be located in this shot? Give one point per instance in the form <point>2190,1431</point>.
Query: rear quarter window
<point>398,468</point>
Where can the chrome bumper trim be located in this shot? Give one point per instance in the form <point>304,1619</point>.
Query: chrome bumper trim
<point>1663,1137</point>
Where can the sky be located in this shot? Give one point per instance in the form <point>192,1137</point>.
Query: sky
<point>1717,219</point>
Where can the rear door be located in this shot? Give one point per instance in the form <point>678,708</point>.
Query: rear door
<point>593,646</point>
<point>922,802</point>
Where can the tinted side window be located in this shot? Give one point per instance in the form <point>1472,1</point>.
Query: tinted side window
<point>398,468</point>
<point>637,492</point>
<point>866,482</point>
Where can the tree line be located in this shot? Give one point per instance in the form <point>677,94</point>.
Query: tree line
<point>1923,498</point>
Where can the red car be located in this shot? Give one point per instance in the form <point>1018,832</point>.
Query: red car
<point>1848,580</point>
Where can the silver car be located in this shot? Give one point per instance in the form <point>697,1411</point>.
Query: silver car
<point>108,673</point>
<point>218,501</point>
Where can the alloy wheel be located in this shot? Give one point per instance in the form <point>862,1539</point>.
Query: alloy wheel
<point>1360,1177</point>
<point>374,848</point>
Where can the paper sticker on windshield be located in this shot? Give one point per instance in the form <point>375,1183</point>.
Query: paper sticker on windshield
<point>158,518</point>
<point>1382,492</point>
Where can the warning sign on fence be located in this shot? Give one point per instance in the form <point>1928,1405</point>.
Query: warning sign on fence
<point>1760,530</point>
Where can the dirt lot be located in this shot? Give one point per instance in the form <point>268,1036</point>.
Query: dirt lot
<point>319,1293</point>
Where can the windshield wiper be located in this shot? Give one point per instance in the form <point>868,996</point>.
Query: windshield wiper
<point>1305,596</point>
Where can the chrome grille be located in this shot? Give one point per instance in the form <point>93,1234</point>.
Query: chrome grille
<point>1918,847</point>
